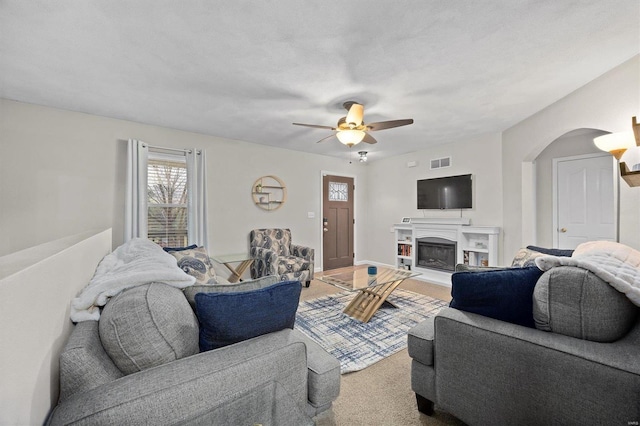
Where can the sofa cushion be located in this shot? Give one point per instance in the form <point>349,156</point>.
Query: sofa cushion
<point>575,302</point>
<point>196,263</point>
<point>191,291</point>
<point>501,294</point>
<point>276,240</point>
<point>147,326</point>
<point>227,318</point>
<point>288,264</point>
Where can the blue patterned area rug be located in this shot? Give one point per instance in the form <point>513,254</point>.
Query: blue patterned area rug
<point>356,344</point>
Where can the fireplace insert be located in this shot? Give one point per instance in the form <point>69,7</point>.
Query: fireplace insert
<point>436,253</point>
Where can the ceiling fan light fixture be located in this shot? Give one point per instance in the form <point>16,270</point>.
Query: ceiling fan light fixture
<point>355,114</point>
<point>350,137</point>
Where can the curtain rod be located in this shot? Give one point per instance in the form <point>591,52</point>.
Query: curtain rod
<point>172,149</point>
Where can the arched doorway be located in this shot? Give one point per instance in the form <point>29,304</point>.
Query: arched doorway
<point>574,151</point>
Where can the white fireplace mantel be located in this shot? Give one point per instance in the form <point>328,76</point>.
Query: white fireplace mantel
<point>475,245</point>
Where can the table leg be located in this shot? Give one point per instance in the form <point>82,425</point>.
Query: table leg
<point>368,300</point>
<point>236,273</point>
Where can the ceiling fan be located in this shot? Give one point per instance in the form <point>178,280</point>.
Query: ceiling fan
<point>352,130</point>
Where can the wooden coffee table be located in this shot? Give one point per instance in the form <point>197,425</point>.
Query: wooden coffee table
<point>373,290</point>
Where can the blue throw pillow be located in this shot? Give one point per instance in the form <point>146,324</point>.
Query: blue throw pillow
<point>506,295</point>
<point>552,251</point>
<point>170,249</point>
<point>227,318</point>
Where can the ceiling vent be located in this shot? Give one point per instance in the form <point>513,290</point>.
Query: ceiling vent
<point>439,163</point>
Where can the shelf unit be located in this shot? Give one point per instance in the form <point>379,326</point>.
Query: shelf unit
<point>404,246</point>
<point>269,192</point>
<point>478,245</point>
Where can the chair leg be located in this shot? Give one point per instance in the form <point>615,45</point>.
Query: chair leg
<point>424,405</point>
<point>307,283</point>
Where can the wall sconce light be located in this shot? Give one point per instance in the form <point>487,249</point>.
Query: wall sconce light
<point>363,156</point>
<point>617,144</point>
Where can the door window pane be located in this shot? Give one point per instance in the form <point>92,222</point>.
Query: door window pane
<point>338,191</point>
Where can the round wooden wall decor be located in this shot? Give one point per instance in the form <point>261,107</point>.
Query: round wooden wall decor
<point>269,192</point>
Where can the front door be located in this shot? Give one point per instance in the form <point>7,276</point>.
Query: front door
<point>337,222</point>
<point>586,201</point>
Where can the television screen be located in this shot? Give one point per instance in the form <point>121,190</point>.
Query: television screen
<point>452,192</point>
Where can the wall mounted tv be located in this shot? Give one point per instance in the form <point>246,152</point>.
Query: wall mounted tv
<point>451,192</point>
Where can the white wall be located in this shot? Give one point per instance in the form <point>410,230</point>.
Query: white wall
<point>36,288</point>
<point>63,173</point>
<point>57,174</point>
<point>391,190</point>
<point>607,103</point>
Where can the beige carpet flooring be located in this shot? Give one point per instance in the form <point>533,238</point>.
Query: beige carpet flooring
<point>380,394</point>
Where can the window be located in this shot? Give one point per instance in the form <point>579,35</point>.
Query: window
<point>338,191</point>
<point>166,195</point>
<point>167,213</point>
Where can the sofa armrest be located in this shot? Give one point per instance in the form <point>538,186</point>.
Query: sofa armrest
<point>304,252</point>
<point>420,341</point>
<point>324,373</point>
<point>622,354</point>
<point>536,373</point>
<point>195,386</point>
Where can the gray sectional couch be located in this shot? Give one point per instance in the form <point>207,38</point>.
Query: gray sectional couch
<point>580,366</point>
<point>158,377</point>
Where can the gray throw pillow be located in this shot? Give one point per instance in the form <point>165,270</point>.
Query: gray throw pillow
<point>147,326</point>
<point>574,302</point>
<point>191,291</point>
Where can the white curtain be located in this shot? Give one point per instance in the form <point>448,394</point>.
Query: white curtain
<point>197,198</point>
<point>135,220</point>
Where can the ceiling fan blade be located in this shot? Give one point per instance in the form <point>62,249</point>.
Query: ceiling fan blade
<point>355,114</point>
<point>389,124</point>
<point>324,139</point>
<point>317,126</point>
<point>369,139</point>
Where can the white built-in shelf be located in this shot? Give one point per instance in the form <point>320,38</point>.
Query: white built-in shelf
<point>476,245</point>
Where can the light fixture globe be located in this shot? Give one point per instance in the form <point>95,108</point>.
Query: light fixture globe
<point>615,143</point>
<point>350,137</point>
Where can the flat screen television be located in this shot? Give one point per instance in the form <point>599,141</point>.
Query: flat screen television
<point>451,192</point>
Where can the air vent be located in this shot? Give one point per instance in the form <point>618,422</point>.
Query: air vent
<point>440,163</point>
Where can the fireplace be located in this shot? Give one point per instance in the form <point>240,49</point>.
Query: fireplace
<point>436,253</point>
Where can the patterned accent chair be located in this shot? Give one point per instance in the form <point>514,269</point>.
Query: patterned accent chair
<point>275,255</point>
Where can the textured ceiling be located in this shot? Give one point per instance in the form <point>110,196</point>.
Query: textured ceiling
<point>246,70</point>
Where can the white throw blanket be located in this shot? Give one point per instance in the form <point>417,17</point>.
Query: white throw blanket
<point>614,263</point>
<point>138,261</point>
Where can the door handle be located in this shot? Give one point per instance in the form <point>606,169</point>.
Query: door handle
<point>562,230</point>
<point>325,229</point>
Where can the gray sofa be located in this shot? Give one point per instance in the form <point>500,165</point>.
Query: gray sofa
<point>580,365</point>
<point>280,378</point>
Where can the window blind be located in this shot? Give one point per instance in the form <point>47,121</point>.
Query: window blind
<point>167,199</point>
